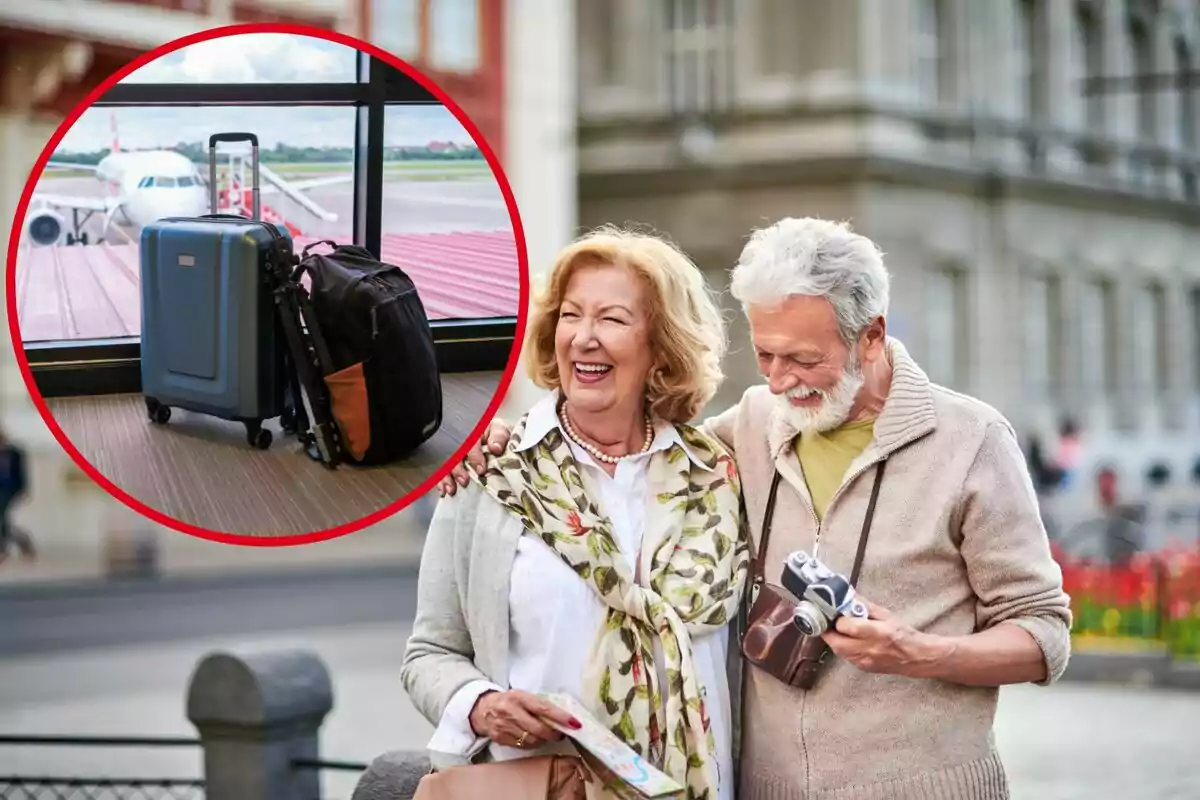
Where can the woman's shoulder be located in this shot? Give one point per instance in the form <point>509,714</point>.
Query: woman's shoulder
<point>470,512</point>
<point>706,448</point>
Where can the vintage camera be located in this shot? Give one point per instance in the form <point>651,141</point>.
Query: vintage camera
<point>824,595</point>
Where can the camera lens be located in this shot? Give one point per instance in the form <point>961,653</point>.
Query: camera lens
<point>808,620</point>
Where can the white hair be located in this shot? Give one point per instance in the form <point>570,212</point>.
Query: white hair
<point>817,258</point>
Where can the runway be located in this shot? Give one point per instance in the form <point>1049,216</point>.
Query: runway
<point>421,205</point>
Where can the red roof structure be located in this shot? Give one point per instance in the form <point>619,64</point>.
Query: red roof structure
<point>92,291</point>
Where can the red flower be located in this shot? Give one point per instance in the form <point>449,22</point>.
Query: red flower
<point>637,669</point>
<point>730,469</point>
<point>576,524</point>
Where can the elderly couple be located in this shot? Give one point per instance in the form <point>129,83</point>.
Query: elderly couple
<point>603,546</point>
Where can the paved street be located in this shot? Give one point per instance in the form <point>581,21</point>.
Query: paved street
<point>99,665</point>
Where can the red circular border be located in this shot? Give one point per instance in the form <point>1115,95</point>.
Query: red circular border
<point>216,33</point>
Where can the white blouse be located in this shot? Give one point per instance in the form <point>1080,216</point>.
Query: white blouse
<point>554,615</point>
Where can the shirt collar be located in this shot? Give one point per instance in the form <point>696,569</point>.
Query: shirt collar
<point>543,418</point>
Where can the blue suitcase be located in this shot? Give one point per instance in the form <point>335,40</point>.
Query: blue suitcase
<point>211,336</point>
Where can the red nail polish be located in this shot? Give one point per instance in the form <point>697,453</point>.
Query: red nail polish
<point>576,724</point>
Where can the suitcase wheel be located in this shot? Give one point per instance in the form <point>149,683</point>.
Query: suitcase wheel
<point>258,436</point>
<point>158,413</point>
<point>288,421</point>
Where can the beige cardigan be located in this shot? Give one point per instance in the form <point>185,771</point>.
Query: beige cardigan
<point>957,545</point>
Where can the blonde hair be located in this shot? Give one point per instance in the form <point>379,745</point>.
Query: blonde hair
<point>687,333</point>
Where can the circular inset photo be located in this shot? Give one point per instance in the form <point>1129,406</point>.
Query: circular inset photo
<point>267,283</point>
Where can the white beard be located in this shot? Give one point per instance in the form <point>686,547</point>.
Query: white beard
<point>835,404</point>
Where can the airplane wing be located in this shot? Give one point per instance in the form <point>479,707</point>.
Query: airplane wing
<point>69,165</point>
<point>101,204</point>
<point>313,183</point>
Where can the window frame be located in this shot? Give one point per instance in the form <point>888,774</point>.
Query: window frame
<point>113,366</point>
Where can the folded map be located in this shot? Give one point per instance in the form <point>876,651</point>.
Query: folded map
<point>618,757</point>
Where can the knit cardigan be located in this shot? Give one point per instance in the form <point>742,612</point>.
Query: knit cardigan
<point>957,546</point>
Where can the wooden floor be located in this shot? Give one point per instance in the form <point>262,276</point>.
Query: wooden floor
<point>200,470</point>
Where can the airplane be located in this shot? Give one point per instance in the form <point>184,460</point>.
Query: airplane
<point>142,186</point>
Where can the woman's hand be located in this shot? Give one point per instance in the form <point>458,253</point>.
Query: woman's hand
<point>494,439</point>
<point>517,719</point>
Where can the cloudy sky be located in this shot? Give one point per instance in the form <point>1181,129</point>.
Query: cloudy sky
<point>254,58</point>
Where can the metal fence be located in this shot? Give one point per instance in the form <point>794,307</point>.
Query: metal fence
<point>30,787</point>
<point>33,788</point>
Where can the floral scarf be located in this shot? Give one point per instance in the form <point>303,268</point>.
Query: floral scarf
<point>693,587</point>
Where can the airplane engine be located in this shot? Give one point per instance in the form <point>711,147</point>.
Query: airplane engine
<point>45,227</point>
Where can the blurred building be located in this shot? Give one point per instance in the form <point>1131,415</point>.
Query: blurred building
<point>1042,241</point>
<point>508,63</point>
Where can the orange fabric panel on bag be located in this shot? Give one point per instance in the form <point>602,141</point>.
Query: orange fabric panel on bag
<point>348,396</point>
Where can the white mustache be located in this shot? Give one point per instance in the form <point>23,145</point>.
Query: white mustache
<point>801,392</point>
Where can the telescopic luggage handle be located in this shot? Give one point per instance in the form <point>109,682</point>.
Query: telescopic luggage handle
<point>212,167</point>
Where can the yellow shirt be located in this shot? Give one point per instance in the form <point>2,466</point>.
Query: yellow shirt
<point>826,456</point>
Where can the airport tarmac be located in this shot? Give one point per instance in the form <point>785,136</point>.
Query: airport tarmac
<point>409,206</point>
<point>443,233</point>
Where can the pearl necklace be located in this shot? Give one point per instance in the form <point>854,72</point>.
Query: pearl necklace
<point>595,452</point>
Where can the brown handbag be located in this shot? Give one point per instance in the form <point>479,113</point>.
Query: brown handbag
<point>769,640</point>
<point>548,777</point>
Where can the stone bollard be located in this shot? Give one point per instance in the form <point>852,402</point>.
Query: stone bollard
<point>256,714</point>
<point>392,776</point>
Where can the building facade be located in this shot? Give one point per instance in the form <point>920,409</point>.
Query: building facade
<point>1041,238</point>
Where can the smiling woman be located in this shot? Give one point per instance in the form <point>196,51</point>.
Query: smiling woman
<point>629,339</point>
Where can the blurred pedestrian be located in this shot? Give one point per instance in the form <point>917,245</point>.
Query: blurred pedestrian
<point>1069,454</point>
<point>12,487</point>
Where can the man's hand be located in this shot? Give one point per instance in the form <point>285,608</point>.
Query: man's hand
<point>885,644</point>
<point>495,438</point>
<point>518,719</point>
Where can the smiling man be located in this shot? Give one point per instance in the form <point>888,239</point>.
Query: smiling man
<point>963,593</point>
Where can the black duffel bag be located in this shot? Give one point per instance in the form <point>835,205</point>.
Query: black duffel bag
<point>385,389</point>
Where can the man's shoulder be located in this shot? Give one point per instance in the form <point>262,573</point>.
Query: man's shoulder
<point>756,402</point>
<point>966,413</point>
<point>752,409</point>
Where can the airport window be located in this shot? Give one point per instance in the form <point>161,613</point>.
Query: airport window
<point>323,159</point>
<point>84,284</point>
<point>444,212</point>
<point>253,58</point>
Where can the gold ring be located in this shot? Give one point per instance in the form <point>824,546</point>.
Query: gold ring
<point>521,741</point>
